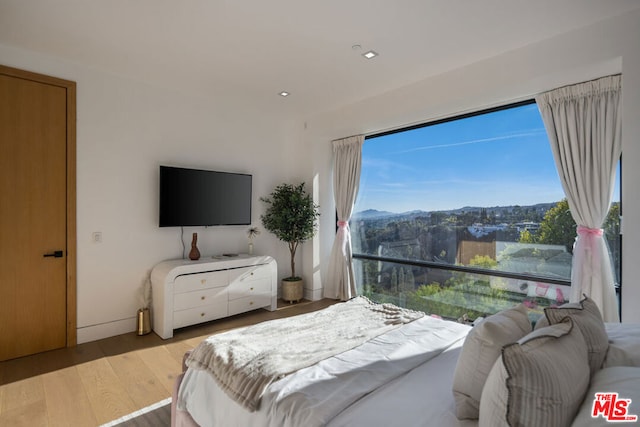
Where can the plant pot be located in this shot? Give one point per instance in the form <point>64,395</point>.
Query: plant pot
<point>292,290</point>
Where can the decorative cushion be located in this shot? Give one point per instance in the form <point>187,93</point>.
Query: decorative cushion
<point>623,380</point>
<point>539,381</point>
<point>480,350</point>
<point>587,317</point>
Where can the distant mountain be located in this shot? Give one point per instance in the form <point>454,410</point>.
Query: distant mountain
<point>385,215</point>
<point>372,214</point>
<point>376,214</point>
<point>542,207</point>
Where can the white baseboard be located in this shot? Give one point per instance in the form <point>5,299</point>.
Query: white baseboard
<point>312,294</point>
<point>106,330</point>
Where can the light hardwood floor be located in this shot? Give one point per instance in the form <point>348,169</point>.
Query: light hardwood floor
<point>97,382</point>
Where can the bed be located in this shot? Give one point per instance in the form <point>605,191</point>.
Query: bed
<point>418,371</point>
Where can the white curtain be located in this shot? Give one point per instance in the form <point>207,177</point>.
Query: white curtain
<point>347,160</point>
<point>584,125</point>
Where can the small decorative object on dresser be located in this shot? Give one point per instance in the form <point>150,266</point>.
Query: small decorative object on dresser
<point>291,215</point>
<point>194,254</point>
<point>252,232</point>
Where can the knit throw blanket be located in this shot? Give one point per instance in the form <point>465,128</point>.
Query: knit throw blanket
<point>245,361</point>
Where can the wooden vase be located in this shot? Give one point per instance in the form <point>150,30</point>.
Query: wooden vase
<point>194,254</point>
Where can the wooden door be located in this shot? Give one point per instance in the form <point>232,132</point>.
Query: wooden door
<point>35,278</point>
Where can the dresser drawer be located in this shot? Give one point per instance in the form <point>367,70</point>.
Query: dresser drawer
<point>247,274</point>
<point>248,288</point>
<point>193,282</point>
<point>199,298</point>
<point>196,315</point>
<point>240,305</point>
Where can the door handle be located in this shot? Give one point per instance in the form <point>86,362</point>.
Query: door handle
<point>55,254</point>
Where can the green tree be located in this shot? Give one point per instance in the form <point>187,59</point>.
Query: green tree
<point>291,215</point>
<point>526,237</point>
<point>484,261</point>
<point>558,226</point>
<point>611,228</point>
<point>611,224</point>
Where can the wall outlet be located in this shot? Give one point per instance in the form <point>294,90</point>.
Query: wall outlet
<point>96,237</point>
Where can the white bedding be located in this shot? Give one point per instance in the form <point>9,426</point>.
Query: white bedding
<point>245,361</point>
<point>405,375</point>
<point>624,344</point>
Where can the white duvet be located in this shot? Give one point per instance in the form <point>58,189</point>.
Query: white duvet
<point>319,394</point>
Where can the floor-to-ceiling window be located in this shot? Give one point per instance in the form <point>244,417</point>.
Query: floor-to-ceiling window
<point>466,216</point>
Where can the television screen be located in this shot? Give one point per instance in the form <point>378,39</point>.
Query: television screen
<point>192,197</point>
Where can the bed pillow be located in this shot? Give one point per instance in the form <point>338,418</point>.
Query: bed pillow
<point>623,380</point>
<point>541,380</point>
<point>480,351</point>
<point>624,345</point>
<point>586,316</point>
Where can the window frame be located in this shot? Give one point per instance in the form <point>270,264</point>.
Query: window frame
<point>464,268</point>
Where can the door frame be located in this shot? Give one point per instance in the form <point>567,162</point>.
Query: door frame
<point>71,237</point>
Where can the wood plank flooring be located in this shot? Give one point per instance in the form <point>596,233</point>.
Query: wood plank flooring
<point>97,382</point>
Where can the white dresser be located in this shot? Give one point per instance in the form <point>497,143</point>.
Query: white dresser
<point>186,292</point>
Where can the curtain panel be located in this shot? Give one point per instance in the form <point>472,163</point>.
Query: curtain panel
<point>584,126</point>
<point>347,162</point>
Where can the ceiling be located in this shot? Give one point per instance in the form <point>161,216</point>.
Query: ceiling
<point>245,52</point>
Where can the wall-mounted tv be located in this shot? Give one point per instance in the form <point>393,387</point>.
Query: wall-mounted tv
<point>193,197</point>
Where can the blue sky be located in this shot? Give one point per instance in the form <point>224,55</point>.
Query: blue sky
<point>496,159</point>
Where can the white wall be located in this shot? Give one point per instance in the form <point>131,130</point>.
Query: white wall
<point>604,48</point>
<point>125,130</point>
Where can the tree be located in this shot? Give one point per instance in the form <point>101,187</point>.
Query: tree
<point>483,261</point>
<point>558,226</point>
<point>526,237</point>
<point>291,215</point>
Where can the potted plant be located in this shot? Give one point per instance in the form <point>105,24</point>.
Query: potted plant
<point>291,215</point>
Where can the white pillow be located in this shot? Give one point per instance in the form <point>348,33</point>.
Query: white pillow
<point>539,381</point>
<point>623,380</point>
<point>586,316</point>
<point>479,353</point>
<point>624,345</point>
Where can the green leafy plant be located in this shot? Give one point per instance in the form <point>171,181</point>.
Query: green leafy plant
<point>291,215</point>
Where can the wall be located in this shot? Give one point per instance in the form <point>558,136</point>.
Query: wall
<point>125,130</point>
<point>606,47</point>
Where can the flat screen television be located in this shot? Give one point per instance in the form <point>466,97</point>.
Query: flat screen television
<point>193,197</point>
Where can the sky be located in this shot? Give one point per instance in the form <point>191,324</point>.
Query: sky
<point>496,159</point>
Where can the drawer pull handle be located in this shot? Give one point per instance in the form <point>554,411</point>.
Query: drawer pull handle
<point>202,298</point>
<point>252,273</point>
<point>203,281</point>
<point>251,303</point>
<point>201,314</point>
<point>251,289</point>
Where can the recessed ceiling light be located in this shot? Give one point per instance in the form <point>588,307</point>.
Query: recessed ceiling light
<point>284,93</point>
<point>370,54</point>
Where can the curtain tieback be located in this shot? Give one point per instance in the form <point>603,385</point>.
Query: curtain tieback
<point>342,224</point>
<point>584,231</point>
